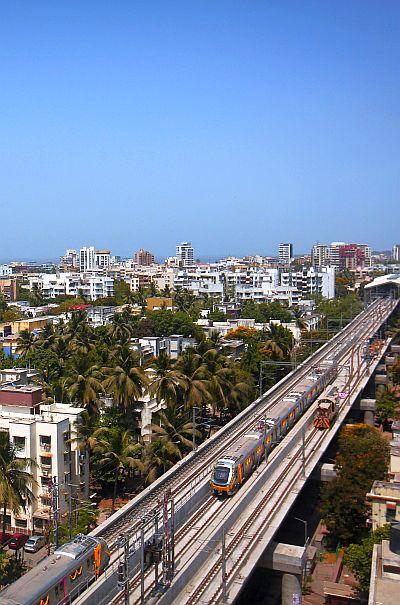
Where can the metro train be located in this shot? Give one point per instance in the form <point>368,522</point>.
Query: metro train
<point>240,460</point>
<point>327,410</point>
<point>60,578</point>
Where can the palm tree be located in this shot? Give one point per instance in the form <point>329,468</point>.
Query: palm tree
<point>26,343</point>
<point>174,429</point>
<point>118,454</point>
<point>167,384</point>
<point>159,456</point>
<point>119,328</point>
<point>126,380</point>
<point>15,479</point>
<point>85,426</point>
<point>196,391</point>
<point>85,384</point>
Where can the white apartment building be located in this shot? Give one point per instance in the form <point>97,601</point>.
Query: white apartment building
<point>184,254</point>
<point>395,253</point>
<point>311,280</point>
<point>5,270</point>
<point>285,254</point>
<point>45,434</point>
<point>87,259</point>
<point>102,258</point>
<point>90,287</point>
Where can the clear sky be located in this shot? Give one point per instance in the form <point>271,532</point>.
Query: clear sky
<point>232,124</point>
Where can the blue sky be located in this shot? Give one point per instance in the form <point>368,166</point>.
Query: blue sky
<point>235,125</point>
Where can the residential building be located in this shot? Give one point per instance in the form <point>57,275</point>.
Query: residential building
<point>385,502</point>
<point>144,258</point>
<point>184,254</point>
<point>5,270</point>
<point>31,324</point>
<point>87,259</point>
<point>311,280</point>
<point>351,257</point>
<point>8,288</point>
<point>69,261</point>
<point>396,253</point>
<point>102,259</point>
<point>89,286</point>
<point>320,255</point>
<point>285,254</point>
<point>385,570</point>
<point>334,253</point>
<point>44,433</point>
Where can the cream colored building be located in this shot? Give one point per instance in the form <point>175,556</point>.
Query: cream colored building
<point>47,437</point>
<point>385,501</point>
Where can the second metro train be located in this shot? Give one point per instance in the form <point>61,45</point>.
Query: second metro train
<point>240,459</point>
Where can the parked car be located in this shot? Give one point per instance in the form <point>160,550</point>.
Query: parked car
<point>34,543</point>
<point>4,537</point>
<point>17,541</point>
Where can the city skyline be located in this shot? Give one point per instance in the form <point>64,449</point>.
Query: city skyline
<point>231,124</point>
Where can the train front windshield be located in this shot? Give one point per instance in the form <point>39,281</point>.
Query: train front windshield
<point>221,475</point>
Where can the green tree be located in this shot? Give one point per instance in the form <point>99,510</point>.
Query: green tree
<point>362,458</point>
<point>11,568</point>
<point>358,557</point>
<point>15,480</point>
<point>118,454</point>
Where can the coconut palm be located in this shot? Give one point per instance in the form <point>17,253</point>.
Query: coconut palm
<point>118,454</point>
<point>159,456</point>
<point>119,328</point>
<point>85,426</point>
<point>85,384</point>
<point>125,381</point>
<point>196,392</point>
<point>26,343</point>
<point>174,429</point>
<point>167,383</point>
<point>15,480</point>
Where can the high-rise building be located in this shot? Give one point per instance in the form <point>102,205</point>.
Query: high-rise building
<point>334,253</point>
<point>285,254</point>
<point>351,257</point>
<point>69,262</point>
<point>396,252</point>
<point>87,259</point>
<point>184,254</point>
<point>102,259</point>
<point>143,257</point>
<point>320,255</point>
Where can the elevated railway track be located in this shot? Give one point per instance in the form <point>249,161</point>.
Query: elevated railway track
<point>188,481</point>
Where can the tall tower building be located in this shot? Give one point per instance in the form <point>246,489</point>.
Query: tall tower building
<point>184,254</point>
<point>334,253</point>
<point>87,259</point>
<point>143,257</point>
<point>396,252</point>
<point>320,255</point>
<point>285,254</point>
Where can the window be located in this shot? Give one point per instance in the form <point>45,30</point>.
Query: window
<point>21,523</point>
<point>390,511</point>
<point>19,442</point>
<point>45,461</point>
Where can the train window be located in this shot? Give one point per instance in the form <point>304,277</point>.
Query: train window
<point>44,600</point>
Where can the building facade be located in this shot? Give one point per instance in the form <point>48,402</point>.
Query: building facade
<point>285,254</point>
<point>185,254</point>
<point>144,258</point>
<point>46,434</point>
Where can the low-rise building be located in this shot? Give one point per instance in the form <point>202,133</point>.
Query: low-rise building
<point>385,502</point>
<point>8,288</point>
<point>90,286</point>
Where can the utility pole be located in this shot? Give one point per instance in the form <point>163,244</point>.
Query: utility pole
<point>172,538</point>
<point>142,563</point>
<point>303,451</point>
<point>54,493</point>
<point>194,428</point>
<point>126,557</point>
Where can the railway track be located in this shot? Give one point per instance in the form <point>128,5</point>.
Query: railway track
<point>266,405</point>
<point>200,464</point>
